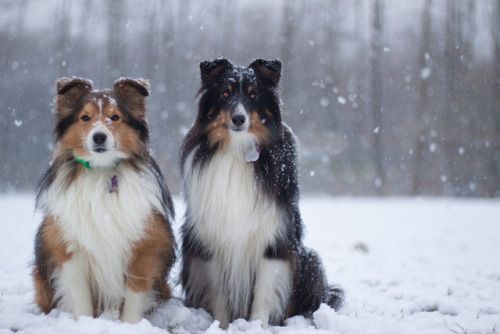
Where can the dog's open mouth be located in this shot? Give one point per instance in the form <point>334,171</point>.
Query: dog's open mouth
<point>99,149</point>
<point>241,128</point>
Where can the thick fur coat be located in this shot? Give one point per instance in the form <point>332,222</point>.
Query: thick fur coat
<point>242,251</point>
<point>105,244</point>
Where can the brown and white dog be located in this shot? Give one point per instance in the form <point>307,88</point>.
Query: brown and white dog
<point>105,244</point>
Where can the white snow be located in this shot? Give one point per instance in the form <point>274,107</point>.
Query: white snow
<point>407,266</point>
<point>425,73</point>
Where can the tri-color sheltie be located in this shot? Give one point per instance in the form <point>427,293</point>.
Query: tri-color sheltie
<point>105,244</point>
<point>242,248</point>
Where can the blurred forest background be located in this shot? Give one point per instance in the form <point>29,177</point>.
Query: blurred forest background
<point>387,97</point>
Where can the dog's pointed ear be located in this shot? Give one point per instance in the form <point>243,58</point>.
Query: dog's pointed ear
<point>135,88</point>
<point>73,87</point>
<point>212,68</point>
<point>131,95</point>
<point>70,91</point>
<point>269,70</point>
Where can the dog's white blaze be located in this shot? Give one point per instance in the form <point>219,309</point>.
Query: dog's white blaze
<point>100,227</point>
<point>234,219</point>
<point>99,104</point>
<point>240,110</point>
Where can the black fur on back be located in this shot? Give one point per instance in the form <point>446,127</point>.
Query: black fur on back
<point>276,173</point>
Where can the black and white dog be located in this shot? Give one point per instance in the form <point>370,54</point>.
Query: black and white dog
<point>242,248</point>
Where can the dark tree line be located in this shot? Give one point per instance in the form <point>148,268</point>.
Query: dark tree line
<point>387,97</point>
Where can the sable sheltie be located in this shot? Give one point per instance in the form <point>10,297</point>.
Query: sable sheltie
<point>105,244</point>
<point>242,246</point>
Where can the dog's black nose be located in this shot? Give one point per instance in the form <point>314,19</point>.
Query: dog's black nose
<point>238,119</point>
<point>99,138</point>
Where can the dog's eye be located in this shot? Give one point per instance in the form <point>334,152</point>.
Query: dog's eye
<point>252,95</point>
<point>85,118</point>
<point>226,94</point>
<point>115,117</point>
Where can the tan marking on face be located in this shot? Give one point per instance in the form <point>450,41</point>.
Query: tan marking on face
<point>76,135</point>
<point>268,113</point>
<point>217,130</point>
<point>127,139</point>
<point>258,129</point>
<point>211,111</point>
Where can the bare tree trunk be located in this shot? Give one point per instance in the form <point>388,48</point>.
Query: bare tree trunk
<point>224,13</point>
<point>377,83</point>
<point>496,42</point>
<point>450,114</point>
<point>290,24</point>
<point>460,116</point>
<point>168,47</point>
<point>82,45</point>
<point>9,54</point>
<point>494,162</point>
<point>333,24</point>
<point>361,112</point>
<point>151,40</point>
<point>421,141</point>
<point>469,150</point>
<point>63,38</point>
<point>333,54</point>
<point>116,46</point>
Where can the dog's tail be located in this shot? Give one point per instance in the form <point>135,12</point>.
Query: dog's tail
<point>334,297</point>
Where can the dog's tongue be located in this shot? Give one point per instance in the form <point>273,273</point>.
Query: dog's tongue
<point>252,153</point>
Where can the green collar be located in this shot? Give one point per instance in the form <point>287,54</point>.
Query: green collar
<point>83,162</point>
<point>87,163</point>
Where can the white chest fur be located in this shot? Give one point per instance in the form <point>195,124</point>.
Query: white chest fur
<point>100,226</point>
<point>234,219</point>
<point>229,210</point>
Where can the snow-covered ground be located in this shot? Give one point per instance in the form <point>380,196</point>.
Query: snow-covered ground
<point>407,266</point>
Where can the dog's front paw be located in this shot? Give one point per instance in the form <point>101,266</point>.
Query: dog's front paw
<point>262,317</point>
<point>134,306</point>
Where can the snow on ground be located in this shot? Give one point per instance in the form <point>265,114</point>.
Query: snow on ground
<point>407,265</point>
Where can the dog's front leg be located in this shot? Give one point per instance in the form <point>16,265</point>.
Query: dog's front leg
<point>143,268</point>
<point>272,291</point>
<point>150,255</point>
<point>134,305</point>
<point>74,286</point>
<point>218,299</point>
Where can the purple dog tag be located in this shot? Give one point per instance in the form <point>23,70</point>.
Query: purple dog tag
<point>114,184</point>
